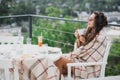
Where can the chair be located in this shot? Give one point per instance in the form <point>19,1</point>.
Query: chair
<point>10,31</point>
<point>11,40</point>
<point>102,63</point>
<point>6,64</point>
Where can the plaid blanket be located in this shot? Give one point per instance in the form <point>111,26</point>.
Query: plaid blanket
<point>93,52</point>
<point>37,69</point>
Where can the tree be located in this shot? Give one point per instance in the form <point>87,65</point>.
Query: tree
<point>25,7</point>
<point>4,8</point>
<point>53,11</point>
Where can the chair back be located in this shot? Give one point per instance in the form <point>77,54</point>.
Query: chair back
<point>105,57</point>
<point>6,65</point>
<point>11,40</point>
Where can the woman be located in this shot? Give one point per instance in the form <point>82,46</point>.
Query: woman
<point>90,48</point>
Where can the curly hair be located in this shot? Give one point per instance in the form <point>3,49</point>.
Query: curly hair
<point>99,23</point>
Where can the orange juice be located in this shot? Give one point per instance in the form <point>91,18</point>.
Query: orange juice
<point>39,40</point>
<point>40,43</point>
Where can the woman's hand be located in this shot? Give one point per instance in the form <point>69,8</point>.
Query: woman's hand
<point>81,39</point>
<point>62,65</point>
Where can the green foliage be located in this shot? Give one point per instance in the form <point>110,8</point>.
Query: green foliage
<point>113,67</point>
<point>64,7</point>
<point>4,8</point>
<point>56,33</point>
<point>53,11</point>
<point>116,47</point>
<point>23,8</point>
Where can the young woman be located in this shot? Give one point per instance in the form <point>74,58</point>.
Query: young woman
<point>90,48</point>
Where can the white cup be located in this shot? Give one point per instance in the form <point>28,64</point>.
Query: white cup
<point>28,41</point>
<point>81,31</point>
<point>45,46</point>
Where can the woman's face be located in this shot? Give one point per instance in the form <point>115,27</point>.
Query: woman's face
<point>91,20</point>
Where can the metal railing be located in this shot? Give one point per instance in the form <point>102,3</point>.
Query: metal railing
<point>30,16</point>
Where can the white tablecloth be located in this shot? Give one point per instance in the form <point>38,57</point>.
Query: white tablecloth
<point>27,51</point>
<point>34,62</point>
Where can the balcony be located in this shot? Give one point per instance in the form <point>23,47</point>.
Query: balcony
<point>59,32</point>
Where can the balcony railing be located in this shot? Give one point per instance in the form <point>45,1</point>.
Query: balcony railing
<point>30,19</point>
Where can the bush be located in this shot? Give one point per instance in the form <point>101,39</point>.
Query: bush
<point>113,66</point>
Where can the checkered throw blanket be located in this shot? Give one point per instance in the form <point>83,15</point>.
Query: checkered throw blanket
<point>37,69</point>
<point>93,52</point>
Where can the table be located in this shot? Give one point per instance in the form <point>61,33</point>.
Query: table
<point>33,61</point>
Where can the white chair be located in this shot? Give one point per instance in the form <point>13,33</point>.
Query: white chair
<point>5,65</point>
<point>103,63</point>
<point>11,40</point>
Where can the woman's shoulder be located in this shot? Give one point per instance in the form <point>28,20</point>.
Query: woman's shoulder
<point>103,32</point>
<point>103,37</point>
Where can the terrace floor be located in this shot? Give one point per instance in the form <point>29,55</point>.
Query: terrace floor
<point>108,78</point>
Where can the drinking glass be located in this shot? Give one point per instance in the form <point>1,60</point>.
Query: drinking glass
<point>40,41</point>
<point>28,41</point>
<point>45,48</point>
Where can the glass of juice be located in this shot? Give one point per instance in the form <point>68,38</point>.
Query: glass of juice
<point>40,41</point>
